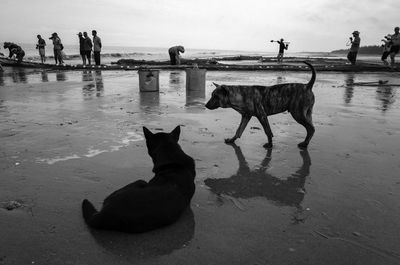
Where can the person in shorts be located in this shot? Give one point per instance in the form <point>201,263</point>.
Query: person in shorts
<point>87,47</point>
<point>41,47</point>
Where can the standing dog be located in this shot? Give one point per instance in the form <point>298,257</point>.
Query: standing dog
<point>142,206</point>
<point>262,101</point>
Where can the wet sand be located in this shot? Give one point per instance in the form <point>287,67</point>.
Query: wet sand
<point>66,136</point>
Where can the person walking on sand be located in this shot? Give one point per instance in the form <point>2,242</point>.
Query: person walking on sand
<point>174,54</point>
<point>81,47</point>
<point>41,47</point>
<point>282,47</point>
<point>58,47</point>
<point>14,49</point>
<point>87,47</point>
<point>96,47</point>
<point>355,46</point>
<point>394,50</point>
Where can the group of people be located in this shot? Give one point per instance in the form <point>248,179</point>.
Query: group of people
<point>86,45</point>
<point>85,48</point>
<point>391,47</point>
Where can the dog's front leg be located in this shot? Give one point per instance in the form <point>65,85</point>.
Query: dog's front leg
<point>243,123</point>
<point>267,129</point>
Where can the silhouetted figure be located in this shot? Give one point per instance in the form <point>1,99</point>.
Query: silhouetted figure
<point>258,183</point>
<point>394,50</point>
<point>96,47</point>
<point>58,47</point>
<point>14,50</point>
<point>355,46</point>
<point>174,54</point>
<point>282,47</point>
<point>82,47</point>
<point>387,45</point>
<point>87,46</point>
<point>41,46</point>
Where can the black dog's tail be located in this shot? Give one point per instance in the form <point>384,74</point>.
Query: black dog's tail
<point>88,211</point>
<point>312,80</point>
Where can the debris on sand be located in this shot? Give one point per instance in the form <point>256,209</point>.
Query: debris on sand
<point>12,205</point>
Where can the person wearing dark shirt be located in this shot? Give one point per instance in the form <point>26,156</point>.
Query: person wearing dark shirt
<point>355,46</point>
<point>14,49</point>
<point>87,47</point>
<point>174,54</point>
<point>282,47</point>
<point>82,47</point>
<point>41,47</point>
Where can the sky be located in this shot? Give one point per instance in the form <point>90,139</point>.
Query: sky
<point>249,25</point>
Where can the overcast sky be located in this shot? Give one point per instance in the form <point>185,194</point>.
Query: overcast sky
<point>310,25</point>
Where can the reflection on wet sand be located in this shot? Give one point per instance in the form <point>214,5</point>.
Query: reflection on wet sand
<point>98,78</point>
<point>247,183</point>
<point>386,96</point>
<point>19,76</point>
<point>152,244</point>
<point>1,78</point>
<point>195,97</point>
<point>45,77</point>
<point>60,76</point>
<point>349,88</point>
<point>96,84</point>
<point>149,100</point>
<point>175,80</point>
<point>88,88</point>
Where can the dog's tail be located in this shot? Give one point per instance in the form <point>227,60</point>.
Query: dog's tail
<point>312,80</point>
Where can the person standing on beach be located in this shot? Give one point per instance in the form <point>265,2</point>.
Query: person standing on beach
<point>355,46</point>
<point>96,47</point>
<point>394,50</point>
<point>174,54</point>
<point>81,47</point>
<point>14,49</point>
<point>87,47</point>
<point>387,45</point>
<point>41,47</point>
<point>58,47</point>
<point>282,47</point>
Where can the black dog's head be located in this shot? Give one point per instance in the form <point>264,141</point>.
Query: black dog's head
<point>155,140</point>
<point>219,98</point>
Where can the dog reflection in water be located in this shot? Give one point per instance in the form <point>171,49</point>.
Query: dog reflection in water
<point>249,183</point>
<point>142,206</point>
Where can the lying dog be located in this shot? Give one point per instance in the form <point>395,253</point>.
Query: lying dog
<point>262,101</point>
<point>142,206</point>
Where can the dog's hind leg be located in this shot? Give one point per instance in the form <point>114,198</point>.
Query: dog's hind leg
<point>304,118</point>
<point>243,123</point>
<point>267,129</point>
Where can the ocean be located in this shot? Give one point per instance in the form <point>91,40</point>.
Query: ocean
<point>114,53</point>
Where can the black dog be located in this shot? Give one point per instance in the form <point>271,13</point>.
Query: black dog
<point>262,101</point>
<point>142,206</point>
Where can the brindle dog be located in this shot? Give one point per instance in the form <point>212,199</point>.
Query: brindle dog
<point>262,101</point>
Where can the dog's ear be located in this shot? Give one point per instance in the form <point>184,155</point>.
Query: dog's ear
<point>147,133</point>
<point>176,132</point>
<point>215,84</point>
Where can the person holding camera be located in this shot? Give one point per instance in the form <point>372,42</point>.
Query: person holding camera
<point>355,46</point>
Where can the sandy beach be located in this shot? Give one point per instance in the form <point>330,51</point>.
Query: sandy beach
<point>70,135</point>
